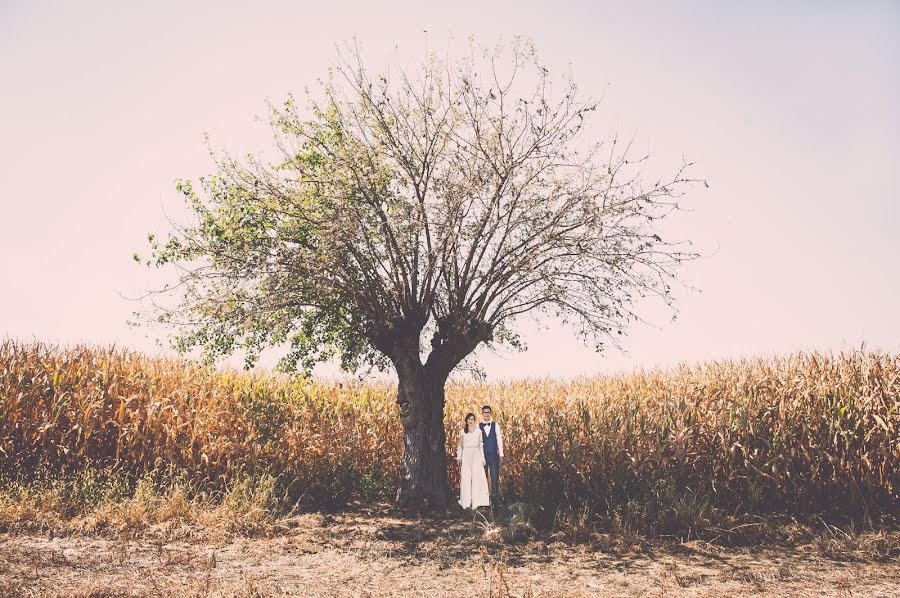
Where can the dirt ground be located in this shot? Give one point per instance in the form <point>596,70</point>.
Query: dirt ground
<point>372,554</point>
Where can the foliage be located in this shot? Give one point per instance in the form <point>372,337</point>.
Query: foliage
<point>451,200</point>
<point>802,434</point>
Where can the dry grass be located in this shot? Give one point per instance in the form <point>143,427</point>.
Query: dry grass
<point>379,552</point>
<point>702,451</point>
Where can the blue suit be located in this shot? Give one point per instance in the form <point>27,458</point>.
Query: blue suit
<point>491,457</point>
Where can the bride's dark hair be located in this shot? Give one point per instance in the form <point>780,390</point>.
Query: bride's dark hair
<point>472,415</point>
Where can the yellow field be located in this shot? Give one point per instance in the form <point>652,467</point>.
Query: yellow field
<point>804,434</point>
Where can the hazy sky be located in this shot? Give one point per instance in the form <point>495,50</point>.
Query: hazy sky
<point>790,110</point>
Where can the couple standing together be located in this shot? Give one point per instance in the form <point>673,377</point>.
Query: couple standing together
<point>479,450</point>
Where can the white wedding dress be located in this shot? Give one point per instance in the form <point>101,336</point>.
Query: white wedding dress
<point>473,486</point>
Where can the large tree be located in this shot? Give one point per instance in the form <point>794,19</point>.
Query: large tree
<point>411,216</point>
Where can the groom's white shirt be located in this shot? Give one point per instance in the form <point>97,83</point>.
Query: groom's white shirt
<point>487,431</point>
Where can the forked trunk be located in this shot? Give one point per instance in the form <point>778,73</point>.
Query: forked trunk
<point>423,471</point>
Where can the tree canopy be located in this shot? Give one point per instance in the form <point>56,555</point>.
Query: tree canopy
<point>447,202</point>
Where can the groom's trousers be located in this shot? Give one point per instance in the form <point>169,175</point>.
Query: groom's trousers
<point>492,466</point>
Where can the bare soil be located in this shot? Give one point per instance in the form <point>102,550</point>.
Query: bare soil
<point>379,552</point>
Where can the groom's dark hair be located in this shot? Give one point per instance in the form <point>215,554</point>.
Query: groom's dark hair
<point>488,407</point>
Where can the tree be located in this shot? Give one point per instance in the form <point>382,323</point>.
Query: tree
<point>410,218</point>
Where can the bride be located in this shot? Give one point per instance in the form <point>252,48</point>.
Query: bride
<point>473,488</point>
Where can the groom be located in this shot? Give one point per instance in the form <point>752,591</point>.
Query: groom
<point>493,449</point>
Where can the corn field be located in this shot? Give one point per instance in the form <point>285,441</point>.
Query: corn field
<point>802,434</point>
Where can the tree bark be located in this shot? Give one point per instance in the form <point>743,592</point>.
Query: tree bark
<point>423,471</point>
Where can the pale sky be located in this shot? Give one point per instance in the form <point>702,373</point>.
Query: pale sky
<point>791,111</point>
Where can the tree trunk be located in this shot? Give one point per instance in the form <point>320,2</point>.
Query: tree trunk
<point>423,471</point>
